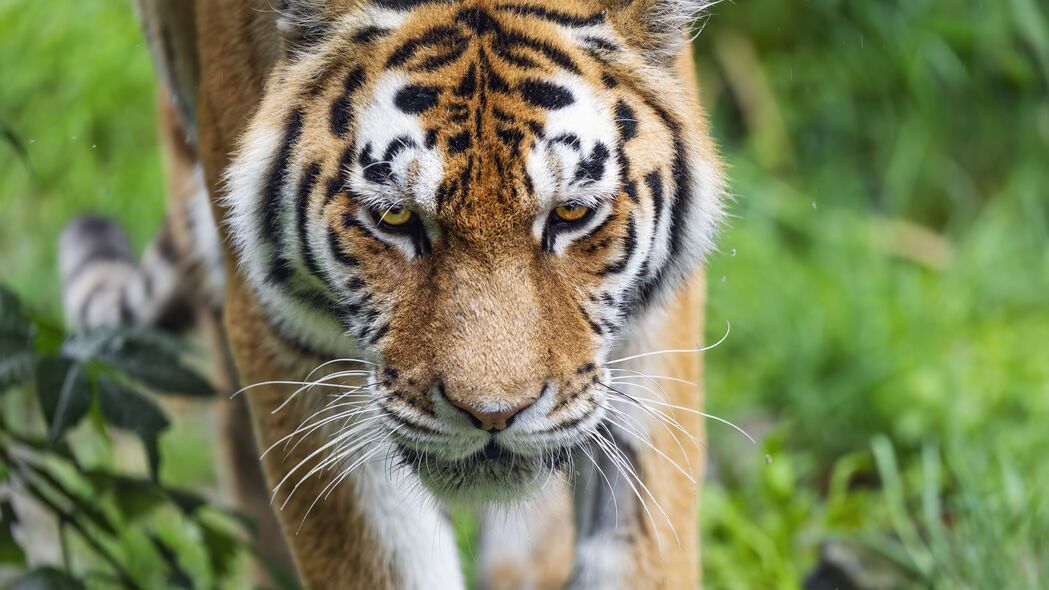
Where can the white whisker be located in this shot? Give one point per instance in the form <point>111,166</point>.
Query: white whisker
<point>728,329</point>
<point>644,440</point>
<point>693,411</point>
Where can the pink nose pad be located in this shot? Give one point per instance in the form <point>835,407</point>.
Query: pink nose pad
<point>493,420</point>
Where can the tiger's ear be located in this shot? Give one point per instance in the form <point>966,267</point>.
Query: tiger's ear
<point>303,22</point>
<point>659,28</point>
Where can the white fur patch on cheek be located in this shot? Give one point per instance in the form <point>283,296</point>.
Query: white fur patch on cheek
<point>245,198</point>
<point>244,182</point>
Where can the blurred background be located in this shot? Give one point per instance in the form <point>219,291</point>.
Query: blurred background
<point>885,272</point>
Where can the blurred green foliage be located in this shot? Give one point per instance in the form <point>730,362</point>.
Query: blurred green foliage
<point>109,525</point>
<point>886,269</point>
<point>887,279</point>
<point>76,89</point>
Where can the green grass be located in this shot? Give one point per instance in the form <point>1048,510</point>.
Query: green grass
<point>886,277</point>
<point>886,271</point>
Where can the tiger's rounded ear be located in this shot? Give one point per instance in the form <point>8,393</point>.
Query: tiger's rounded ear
<point>302,22</point>
<point>659,28</point>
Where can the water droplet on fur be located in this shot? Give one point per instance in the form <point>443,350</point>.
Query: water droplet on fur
<point>733,252</point>
<point>768,459</point>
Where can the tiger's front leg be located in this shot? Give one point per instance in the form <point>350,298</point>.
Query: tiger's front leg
<point>636,487</point>
<point>374,530</point>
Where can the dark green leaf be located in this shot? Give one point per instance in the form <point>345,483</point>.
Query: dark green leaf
<point>243,520</point>
<point>126,409</point>
<point>178,577</point>
<point>9,306</point>
<point>60,448</point>
<point>85,507</point>
<point>64,393</point>
<point>134,497</point>
<point>149,357</point>
<point>46,578</point>
<point>16,143</point>
<point>16,342</point>
<point>15,367</point>
<point>187,502</point>
<point>10,551</point>
<point>222,549</point>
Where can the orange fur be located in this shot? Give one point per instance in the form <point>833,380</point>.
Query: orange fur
<point>485,314</point>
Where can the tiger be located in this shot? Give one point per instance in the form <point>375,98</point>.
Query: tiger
<point>450,256</point>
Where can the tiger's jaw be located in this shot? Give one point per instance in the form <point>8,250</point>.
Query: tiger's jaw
<point>492,474</point>
<point>464,464</point>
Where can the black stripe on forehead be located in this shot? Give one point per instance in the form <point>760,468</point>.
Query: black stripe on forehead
<point>554,54</point>
<point>552,15</point>
<point>436,36</point>
<point>545,95</point>
<point>342,109</point>
<point>479,20</point>
<point>369,34</point>
<point>479,23</point>
<point>406,4</point>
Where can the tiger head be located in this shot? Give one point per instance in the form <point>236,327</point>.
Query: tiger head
<point>479,198</point>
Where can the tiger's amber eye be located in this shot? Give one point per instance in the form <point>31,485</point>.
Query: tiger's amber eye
<point>571,213</point>
<point>396,217</point>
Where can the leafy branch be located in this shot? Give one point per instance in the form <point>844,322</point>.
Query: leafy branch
<point>107,375</point>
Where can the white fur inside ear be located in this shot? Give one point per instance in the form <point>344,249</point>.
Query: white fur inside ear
<point>669,22</point>
<point>295,17</point>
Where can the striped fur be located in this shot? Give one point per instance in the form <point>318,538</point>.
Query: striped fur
<point>483,118</point>
<point>180,273</point>
<point>103,285</point>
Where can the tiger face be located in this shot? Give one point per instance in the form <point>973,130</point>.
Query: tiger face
<point>480,198</point>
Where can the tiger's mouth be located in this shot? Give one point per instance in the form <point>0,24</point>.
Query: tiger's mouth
<point>492,474</point>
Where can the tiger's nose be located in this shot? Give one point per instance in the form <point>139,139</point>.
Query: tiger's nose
<point>489,420</point>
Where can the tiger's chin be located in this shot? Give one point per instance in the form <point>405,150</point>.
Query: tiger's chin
<point>492,475</point>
